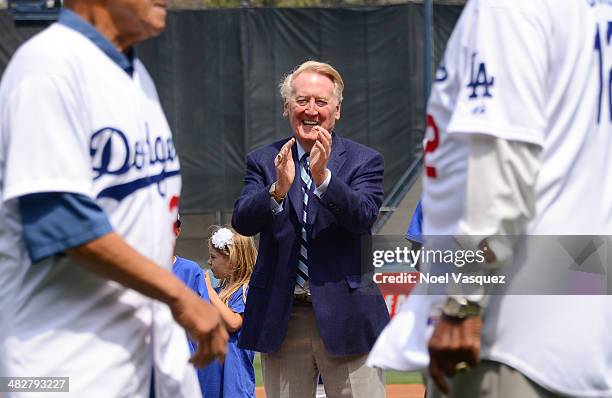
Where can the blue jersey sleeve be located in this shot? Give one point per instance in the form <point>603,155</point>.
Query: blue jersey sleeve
<point>56,221</point>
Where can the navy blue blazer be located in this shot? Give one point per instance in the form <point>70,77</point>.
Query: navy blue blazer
<point>348,306</point>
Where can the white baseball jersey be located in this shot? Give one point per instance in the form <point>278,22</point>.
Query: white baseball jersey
<point>536,72</point>
<point>71,120</point>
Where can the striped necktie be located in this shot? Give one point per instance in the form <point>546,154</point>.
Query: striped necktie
<point>306,183</point>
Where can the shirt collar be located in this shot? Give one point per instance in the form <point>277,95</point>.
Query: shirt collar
<point>73,21</point>
<point>300,149</point>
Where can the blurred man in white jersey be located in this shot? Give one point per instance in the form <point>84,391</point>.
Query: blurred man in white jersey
<point>89,192</point>
<point>519,142</point>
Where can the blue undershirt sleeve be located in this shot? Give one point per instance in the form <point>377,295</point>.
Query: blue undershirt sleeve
<point>56,221</point>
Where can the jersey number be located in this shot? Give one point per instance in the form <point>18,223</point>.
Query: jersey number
<point>603,41</point>
<point>431,145</point>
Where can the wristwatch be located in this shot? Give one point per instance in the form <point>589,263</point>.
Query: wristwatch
<point>461,308</point>
<point>276,196</point>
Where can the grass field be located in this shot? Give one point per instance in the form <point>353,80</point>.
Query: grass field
<point>390,377</point>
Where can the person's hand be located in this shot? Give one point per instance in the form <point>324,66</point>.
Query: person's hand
<point>320,154</point>
<point>208,283</point>
<point>285,168</point>
<point>453,347</point>
<point>203,325</point>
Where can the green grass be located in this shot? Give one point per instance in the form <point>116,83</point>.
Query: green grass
<point>390,377</point>
<point>257,366</point>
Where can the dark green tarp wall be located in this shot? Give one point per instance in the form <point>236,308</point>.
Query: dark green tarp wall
<point>217,73</point>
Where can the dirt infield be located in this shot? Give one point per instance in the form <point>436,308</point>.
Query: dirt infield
<point>393,391</point>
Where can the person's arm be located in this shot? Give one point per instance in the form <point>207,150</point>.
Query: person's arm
<point>321,189</point>
<point>233,321</point>
<point>355,204</point>
<point>55,223</point>
<point>499,200</point>
<point>254,210</point>
<point>111,257</point>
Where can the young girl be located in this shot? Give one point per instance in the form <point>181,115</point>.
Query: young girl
<point>232,257</point>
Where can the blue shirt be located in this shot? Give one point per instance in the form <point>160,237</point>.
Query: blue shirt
<point>236,376</point>
<point>415,231</point>
<point>193,276</point>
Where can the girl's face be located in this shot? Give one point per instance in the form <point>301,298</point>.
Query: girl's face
<point>219,263</point>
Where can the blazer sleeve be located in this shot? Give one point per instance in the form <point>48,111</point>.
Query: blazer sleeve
<point>252,211</point>
<point>355,203</point>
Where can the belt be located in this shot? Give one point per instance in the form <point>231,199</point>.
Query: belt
<point>302,298</point>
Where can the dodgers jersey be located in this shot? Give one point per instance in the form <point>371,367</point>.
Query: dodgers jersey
<point>537,72</point>
<point>71,120</point>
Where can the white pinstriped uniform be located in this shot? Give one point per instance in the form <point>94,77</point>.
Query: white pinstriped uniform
<point>535,72</point>
<point>71,120</point>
